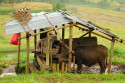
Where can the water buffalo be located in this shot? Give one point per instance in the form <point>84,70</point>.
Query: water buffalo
<point>90,55</point>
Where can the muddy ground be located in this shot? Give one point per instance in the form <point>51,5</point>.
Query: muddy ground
<point>115,69</point>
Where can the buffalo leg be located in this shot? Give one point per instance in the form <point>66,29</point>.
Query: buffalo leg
<point>102,66</point>
<point>79,68</point>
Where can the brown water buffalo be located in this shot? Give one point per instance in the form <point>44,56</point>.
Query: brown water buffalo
<point>90,55</point>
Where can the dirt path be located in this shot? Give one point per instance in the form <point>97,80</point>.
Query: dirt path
<point>116,68</point>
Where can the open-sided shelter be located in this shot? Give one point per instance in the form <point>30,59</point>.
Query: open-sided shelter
<point>53,20</point>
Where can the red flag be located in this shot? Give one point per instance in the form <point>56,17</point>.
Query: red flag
<point>14,39</point>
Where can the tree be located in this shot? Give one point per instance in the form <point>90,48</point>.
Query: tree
<point>1,1</point>
<point>12,2</point>
<point>103,3</point>
<point>59,4</point>
<point>122,2</point>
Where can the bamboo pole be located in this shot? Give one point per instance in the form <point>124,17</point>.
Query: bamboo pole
<point>35,43</point>
<point>48,31</point>
<point>58,67</point>
<point>56,29</point>
<point>47,51</point>
<point>18,51</point>
<point>62,67</point>
<point>119,40</point>
<point>89,33</point>
<point>27,49</point>
<point>70,48</point>
<point>15,50</point>
<point>63,36</point>
<point>111,53</point>
<point>66,68</point>
<point>94,33</point>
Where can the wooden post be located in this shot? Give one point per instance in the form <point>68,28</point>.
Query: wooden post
<point>58,67</point>
<point>56,28</point>
<point>35,43</point>
<point>62,67</point>
<point>47,50</point>
<point>18,51</point>
<point>63,36</point>
<point>74,64</point>
<point>70,48</point>
<point>54,67</point>
<point>89,33</point>
<point>111,53</point>
<point>27,49</point>
<point>66,68</point>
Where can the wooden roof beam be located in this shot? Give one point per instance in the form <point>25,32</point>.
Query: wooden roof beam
<point>94,33</point>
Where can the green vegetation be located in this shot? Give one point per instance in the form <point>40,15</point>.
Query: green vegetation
<point>65,78</point>
<point>88,11</point>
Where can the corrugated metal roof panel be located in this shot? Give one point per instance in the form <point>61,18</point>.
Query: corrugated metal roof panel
<point>38,22</point>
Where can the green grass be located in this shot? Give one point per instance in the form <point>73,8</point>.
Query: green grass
<point>64,78</point>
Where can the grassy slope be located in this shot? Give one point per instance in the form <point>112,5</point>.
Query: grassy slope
<point>64,78</point>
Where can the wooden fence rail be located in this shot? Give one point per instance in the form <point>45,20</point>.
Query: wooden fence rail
<point>15,50</point>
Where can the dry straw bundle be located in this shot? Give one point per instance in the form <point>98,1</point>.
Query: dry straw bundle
<point>22,14</point>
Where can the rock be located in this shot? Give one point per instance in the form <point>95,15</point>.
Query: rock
<point>12,69</point>
<point>6,70</point>
<point>121,9</point>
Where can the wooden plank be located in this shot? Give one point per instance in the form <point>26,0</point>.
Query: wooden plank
<point>74,64</point>
<point>18,51</point>
<point>41,62</point>
<point>58,67</point>
<point>111,53</point>
<point>70,48</point>
<point>47,50</point>
<point>62,67</point>
<point>35,43</point>
<point>27,60</point>
<point>15,50</point>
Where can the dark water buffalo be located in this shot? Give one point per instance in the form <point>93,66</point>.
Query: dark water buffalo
<point>90,55</point>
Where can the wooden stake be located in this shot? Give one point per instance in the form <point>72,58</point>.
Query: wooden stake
<point>74,64</point>
<point>18,51</point>
<point>27,61</point>
<point>66,68</point>
<point>47,51</point>
<point>89,33</point>
<point>70,48</point>
<point>58,67</point>
<point>111,53</point>
<point>56,29</point>
<point>35,43</point>
<point>62,67</point>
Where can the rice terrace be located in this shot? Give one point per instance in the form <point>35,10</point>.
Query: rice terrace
<point>62,41</point>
